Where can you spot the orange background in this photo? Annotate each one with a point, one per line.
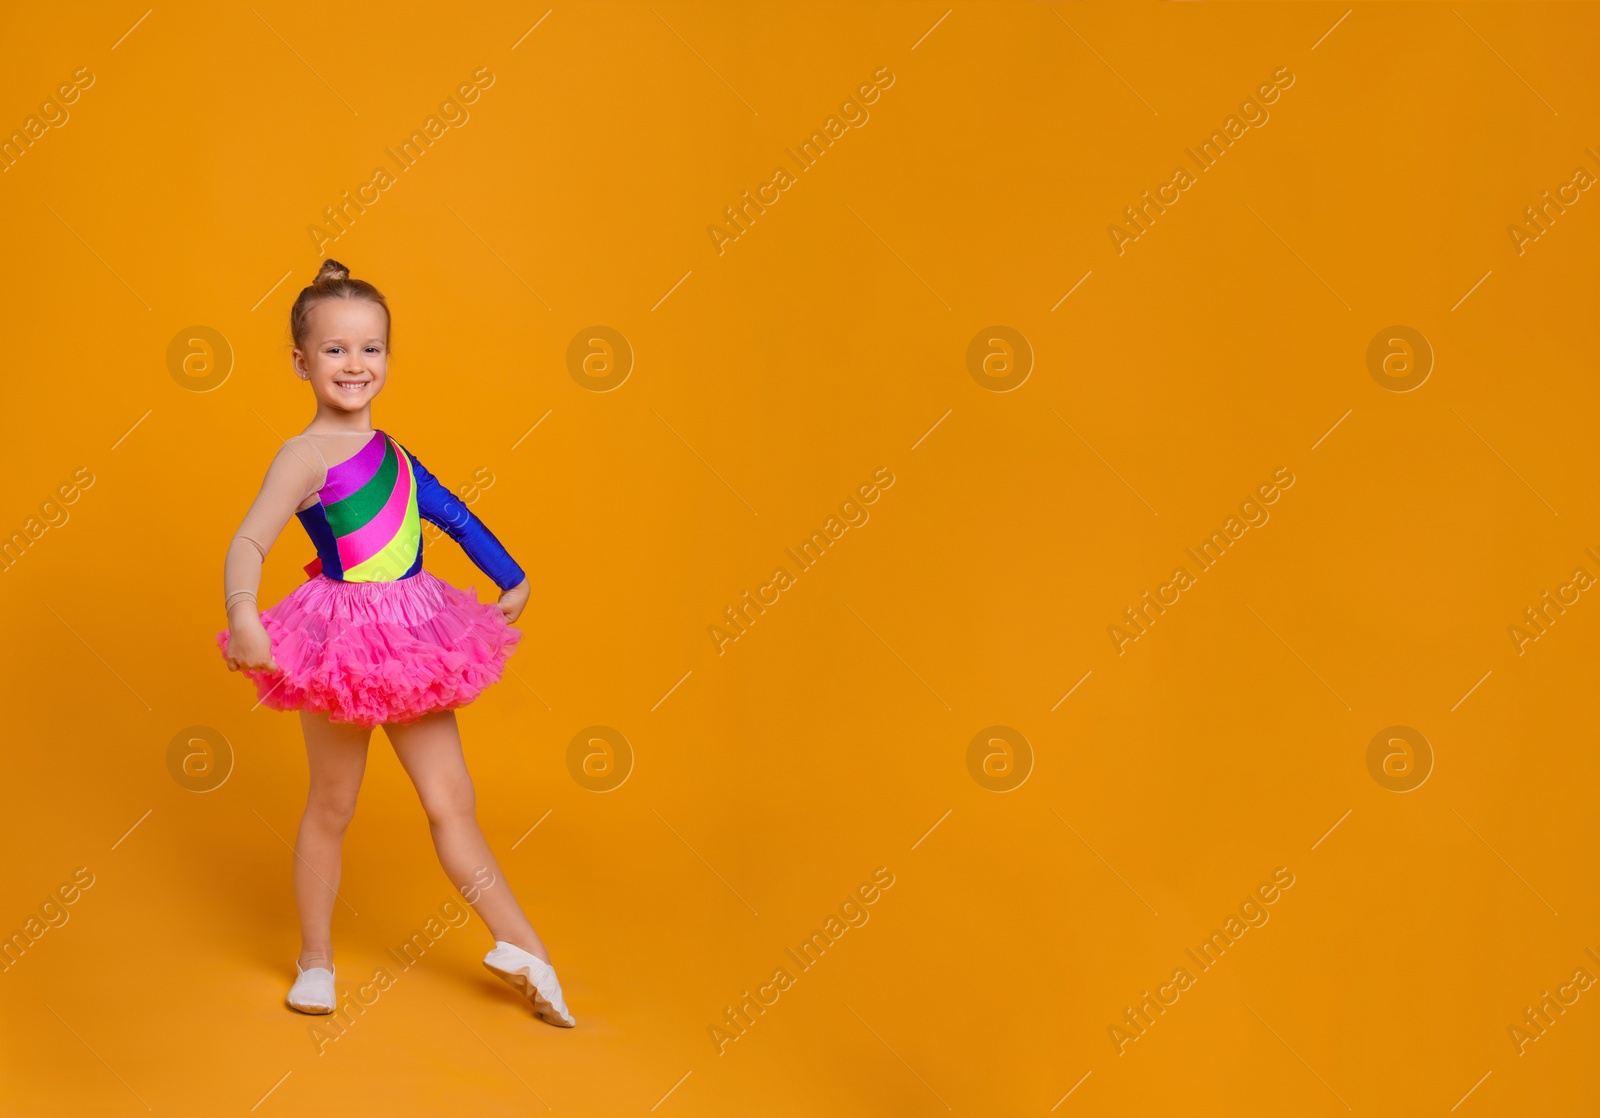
(831, 739)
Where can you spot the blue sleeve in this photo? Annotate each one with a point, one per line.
(437, 504)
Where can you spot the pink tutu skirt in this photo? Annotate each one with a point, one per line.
(375, 652)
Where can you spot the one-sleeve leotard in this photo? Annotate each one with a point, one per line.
(361, 514)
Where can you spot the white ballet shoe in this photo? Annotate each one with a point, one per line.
(312, 992)
(531, 977)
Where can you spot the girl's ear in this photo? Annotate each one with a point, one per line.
(298, 360)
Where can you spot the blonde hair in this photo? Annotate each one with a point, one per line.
(333, 282)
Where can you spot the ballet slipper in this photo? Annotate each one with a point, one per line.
(312, 991)
(531, 977)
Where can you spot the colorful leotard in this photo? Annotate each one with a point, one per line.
(371, 637)
(366, 525)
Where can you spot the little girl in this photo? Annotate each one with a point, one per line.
(371, 638)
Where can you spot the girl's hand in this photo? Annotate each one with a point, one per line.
(511, 603)
(249, 646)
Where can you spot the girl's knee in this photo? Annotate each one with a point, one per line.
(331, 813)
(453, 804)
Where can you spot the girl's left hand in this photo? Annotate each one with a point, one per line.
(511, 602)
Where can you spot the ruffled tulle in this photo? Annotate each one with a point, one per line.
(376, 652)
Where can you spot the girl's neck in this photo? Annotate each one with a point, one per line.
(329, 422)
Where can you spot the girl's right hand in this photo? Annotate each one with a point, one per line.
(249, 646)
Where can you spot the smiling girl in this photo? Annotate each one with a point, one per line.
(371, 638)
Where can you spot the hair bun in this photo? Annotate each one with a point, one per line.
(331, 272)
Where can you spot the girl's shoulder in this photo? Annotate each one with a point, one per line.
(300, 457)
(333, 446)
(342, 436)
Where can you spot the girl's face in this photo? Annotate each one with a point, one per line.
(346, 357)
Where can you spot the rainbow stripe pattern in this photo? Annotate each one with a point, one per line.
(366, 525)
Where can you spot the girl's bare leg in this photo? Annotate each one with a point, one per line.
(337, 757)
(430, 751)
